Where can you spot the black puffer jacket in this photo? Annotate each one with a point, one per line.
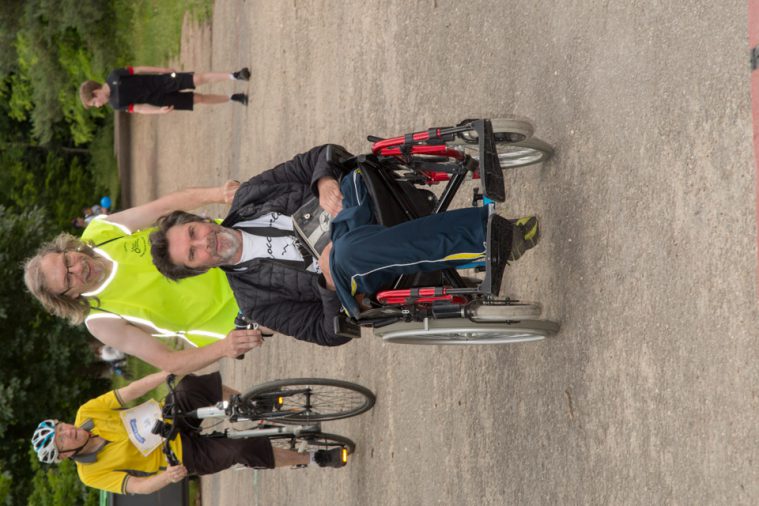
(277, 295)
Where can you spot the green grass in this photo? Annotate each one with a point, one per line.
(155, 30)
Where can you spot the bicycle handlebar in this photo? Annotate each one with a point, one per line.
(161, 425)
(243, 322)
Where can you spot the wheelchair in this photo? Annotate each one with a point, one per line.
(443, 307)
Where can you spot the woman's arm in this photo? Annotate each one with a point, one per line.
(143, 216)
(133, 340)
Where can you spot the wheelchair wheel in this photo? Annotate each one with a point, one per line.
(313, 442)
(503, 312)
(462, 331)
(306, 400)
(514, 142)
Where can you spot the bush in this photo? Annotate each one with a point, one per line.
(59, 486)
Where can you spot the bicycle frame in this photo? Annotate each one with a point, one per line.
(220, 411)
(278, 430)
(229, 411)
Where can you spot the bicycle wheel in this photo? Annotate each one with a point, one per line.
(305, 400)
(312, 442)
(513, 140)
(462, 331)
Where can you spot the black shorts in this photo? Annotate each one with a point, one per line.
(173, 94)
(203, 455)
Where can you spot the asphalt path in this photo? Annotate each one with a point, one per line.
(648, 394)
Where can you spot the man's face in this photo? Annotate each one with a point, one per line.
(72, 273)
(68, 439)
(99, 98)
(202, 245)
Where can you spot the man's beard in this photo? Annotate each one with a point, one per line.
(229, 246)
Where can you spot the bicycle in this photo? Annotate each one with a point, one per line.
(445, 308)
(288, 412)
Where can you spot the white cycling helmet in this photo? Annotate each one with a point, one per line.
(43, 441)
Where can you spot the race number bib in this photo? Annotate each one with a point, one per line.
(138, 422)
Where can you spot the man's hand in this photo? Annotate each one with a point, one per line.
(175, 474)
(330, 198)
(229, 189)
(239, 342)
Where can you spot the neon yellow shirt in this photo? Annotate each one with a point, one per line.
(200, 309)
(119, 458)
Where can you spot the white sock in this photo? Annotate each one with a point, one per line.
(232, 76)
(311, 454)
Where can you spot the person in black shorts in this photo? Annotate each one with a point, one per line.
(157, 90)
(112, 451)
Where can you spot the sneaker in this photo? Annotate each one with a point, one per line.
(239, 97)
(526, 236)
(500, 234)
(242, 75)
(336, 457)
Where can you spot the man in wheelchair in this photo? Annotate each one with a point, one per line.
(279, 284)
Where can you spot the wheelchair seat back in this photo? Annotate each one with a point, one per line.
(394, 201)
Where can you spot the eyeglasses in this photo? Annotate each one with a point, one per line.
(67, 265)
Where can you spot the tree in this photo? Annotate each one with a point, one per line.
(59, 486)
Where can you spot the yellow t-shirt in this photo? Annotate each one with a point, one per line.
(119, 458)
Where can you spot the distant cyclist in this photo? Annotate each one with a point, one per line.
(112, 453)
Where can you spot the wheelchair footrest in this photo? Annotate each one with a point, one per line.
(491, 175)
(500, 237)
(345, 328)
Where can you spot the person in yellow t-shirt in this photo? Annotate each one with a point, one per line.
(112, 454)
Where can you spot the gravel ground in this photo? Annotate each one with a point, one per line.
(648, 395)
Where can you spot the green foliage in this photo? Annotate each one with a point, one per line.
(58, 180)
(6, 480)
(10, 23)
(20, 100)
(56, 158)
(59, 486)
(75, 62)
(58, 45)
